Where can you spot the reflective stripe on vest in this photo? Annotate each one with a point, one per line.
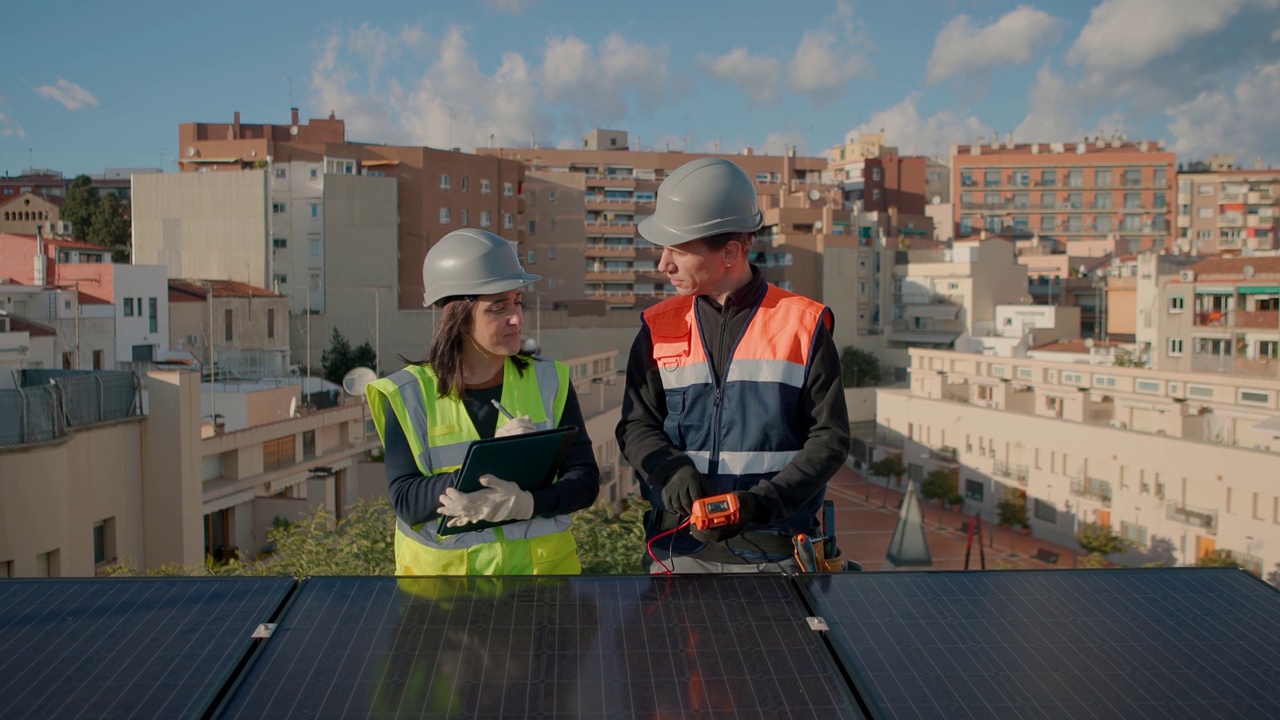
(743, 463)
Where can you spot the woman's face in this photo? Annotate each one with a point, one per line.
(497, 322)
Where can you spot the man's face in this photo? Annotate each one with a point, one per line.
(693, 268)
(496, 322)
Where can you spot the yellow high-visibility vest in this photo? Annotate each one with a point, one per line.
(439, 431)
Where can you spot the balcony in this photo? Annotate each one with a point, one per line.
(1213, 318)
(1195, 517)
(890, 441)
(597, 222)
(1016, 473)
(1258, 319)
(1092, 489)
(946, 455)
(610, 275)
(610, 251)
(1231, 220)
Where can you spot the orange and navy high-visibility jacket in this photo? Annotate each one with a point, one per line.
(739, 423)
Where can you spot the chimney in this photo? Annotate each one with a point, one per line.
(293, 116)
(235, 126)
(786, 169)
(37, 275)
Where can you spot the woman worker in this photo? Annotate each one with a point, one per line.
(430, 412)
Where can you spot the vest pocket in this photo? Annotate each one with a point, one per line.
(673, 423)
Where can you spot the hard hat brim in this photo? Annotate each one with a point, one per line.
(655, 232)
(440, 291)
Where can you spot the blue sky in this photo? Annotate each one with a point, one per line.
(99, 85)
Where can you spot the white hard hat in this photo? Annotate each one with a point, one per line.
(471, 262)
(703, 198)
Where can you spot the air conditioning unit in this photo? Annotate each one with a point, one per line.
(64, 228)
(193, 340)
(1187, 276)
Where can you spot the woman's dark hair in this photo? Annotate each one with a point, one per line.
(445, 353)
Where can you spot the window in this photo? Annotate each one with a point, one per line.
(551, 253)
(1021, 178)
(985, 392)
(875, 194)
(279, 208)
(1176, 304)
(484, 187)
(973, 489)
(1132, 201)
(279, 243)
(1132, 177)
(1046, 511)
(1071, 378)
(278, 453)
(271, 323)
(876, 174)
(508, 190)
(1160, 177)
(1102, 224)
(1148, 386)
(1268, 349)
(1175, 346)
(281, 173)
(484, 219)
(444, 182)
(966, 179)
(1204, 189)
(1256, 397)
(1159, 201)
(1048, 178)
(315, 173)
(1047, 223)
(991, 178)
(466, 217)
(508, 221)
(444, 216)
(315, 247)
(315, 282)
(315, 210)
(128, 307)
(152, 315)
(1026, 373)
(1104, 381)
(1075, 178)
(533, 227)
(97, 359)
(227, 326)
(551, 196)
(1102, 177)
(1204, 212)
(104, 541)
(309, 445)
(1135, 534)
(762, 177)
(1102, 201)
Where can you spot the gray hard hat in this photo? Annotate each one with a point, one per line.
(471, 262)
(703, 198)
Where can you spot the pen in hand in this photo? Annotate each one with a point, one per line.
(506, 413)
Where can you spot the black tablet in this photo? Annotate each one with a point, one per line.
(531, 460)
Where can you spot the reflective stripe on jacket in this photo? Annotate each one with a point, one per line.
(439, 431)
(746, 428)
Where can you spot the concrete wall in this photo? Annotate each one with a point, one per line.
(203, 225)
(171, 471)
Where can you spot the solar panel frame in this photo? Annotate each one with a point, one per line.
(105, 647)
(1031, 637)
(609, 647)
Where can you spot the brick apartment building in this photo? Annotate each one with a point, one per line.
(1082, 193)
(892, 189)
(1227, 210)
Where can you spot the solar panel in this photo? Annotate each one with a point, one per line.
(581, 647)
(1106, 643)
(119, 648)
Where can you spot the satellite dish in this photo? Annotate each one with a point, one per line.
(191, 151)
(293, 407)
(937, 200)
(293, 130)
(817, 224)
(814, 194)
(357, 380)
(1248, 271)
(1088, 342)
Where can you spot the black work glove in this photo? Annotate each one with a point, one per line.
(749, 511)
(682, 488)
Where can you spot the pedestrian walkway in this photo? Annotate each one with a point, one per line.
(866, 515)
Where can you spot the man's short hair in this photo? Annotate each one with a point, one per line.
(716, 242)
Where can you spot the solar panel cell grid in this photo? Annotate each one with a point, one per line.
(125, 648)
(1109, 643)
(544, 647)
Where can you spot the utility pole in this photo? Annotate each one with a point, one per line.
(213, 391)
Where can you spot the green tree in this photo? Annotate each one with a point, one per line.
(1098, 538)
(363, 356)
(109, 227)
(1126, 358)
(610, 540)
(859, 368)
(939, 485)
(889, 466)
(336, 361)
(1013, 508)
(1218, 558)
(78, 209)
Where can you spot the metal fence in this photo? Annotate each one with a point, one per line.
(47, 402)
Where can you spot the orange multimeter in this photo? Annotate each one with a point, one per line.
(715, 511)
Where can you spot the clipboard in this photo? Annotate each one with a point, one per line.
(531, 460)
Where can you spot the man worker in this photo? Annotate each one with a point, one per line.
(733, 386)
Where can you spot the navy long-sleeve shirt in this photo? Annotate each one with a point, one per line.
(416, 498)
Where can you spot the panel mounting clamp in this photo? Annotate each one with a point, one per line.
(264, 631)
(817, 624)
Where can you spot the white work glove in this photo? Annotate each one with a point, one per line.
(499, 502)
(515, 426)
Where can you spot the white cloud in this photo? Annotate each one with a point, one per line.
(515, 7)
(602, 84)
(823, 64)
(1241, 121)
(777, 143)
(1055, 111)
(915, 135)
(756, 75)
(9, 128)
(70, 95)
(1128, 34)
(966, 48)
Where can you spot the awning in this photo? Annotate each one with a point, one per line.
(1260, 290)
(228, 501)
(1270, 425)
(378, 163)
(211, 160)
(1201, 290)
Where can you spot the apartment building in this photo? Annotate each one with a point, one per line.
(1179, 464)
(893, 189)
(1227, 210)
(941, 296)
(233, 329)
(150, 490)
(432, 192)
(555, 225)
(24, 344)
(76, 330)
(1082, 193)
(620, 187)
(44, 183)
(1220, 315)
